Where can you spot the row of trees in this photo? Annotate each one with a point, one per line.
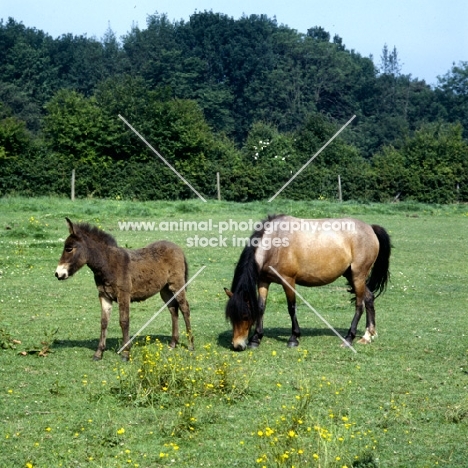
(246, 98)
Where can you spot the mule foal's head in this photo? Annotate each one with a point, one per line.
(73, 255)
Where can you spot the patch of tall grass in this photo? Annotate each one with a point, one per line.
(301, 434)
(160, 375)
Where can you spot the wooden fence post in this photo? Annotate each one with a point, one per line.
(73, 185)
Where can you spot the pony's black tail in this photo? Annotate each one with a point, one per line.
(377, 282)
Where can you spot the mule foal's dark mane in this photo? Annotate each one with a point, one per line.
(244, 302)
(95, 233)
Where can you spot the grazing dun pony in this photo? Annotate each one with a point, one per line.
(308, 252)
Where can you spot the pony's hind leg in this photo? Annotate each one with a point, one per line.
(292, 309)
(106, 308)
(353, 328)
(371, 332)
(358, 286)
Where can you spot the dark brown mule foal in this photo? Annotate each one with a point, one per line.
(127, 275)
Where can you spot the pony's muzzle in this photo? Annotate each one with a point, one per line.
(61, 273)
(241, 335)
(239, 346)
(239, 343)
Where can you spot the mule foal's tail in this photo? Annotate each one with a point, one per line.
(186, 272)
(377, 282)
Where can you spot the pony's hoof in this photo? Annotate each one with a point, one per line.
(293, 344)
(97, 358)
(253, 345)
(364, 341)
(348, 344)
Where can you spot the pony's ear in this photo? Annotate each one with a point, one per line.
(70, 226)
(229, 293)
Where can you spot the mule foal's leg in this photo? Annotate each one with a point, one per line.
(168, 297)
(124, 319)
(180, 302)
(106, 308)
(185, 309)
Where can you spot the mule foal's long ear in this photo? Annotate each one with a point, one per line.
(70, 226)
(229, 293)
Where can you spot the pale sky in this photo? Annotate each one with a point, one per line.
(430, 35)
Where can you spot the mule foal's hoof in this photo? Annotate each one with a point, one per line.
(293, 343)
(190, 344)
(253, 345)
(97, 358)
(125, 356)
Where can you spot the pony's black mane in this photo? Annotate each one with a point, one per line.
(95, 233)
(244, 302)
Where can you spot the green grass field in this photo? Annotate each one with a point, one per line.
(401, 401)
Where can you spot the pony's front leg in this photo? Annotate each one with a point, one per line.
(106, 308)
(124, 319)
(291, 298)
(256, 338)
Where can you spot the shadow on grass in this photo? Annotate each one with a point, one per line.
(224, 339)
(281, 335)
(112, 344)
